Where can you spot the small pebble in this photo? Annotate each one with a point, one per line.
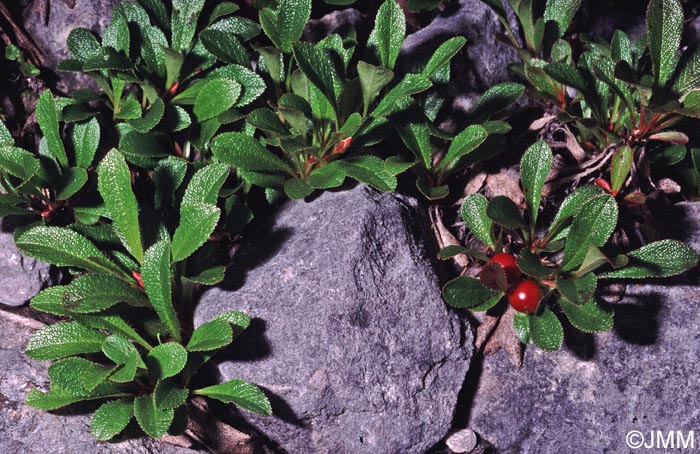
(463, 441)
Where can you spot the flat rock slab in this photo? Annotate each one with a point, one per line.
(350, 336)
(641, 376)
(26, 430)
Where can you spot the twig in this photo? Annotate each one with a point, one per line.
(23, 40)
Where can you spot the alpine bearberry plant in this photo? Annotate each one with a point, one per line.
(328, 105)
(136, 190)
(622, 98)
(127, 338)
(562, 263)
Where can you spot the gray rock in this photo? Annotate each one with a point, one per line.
(350, 334)
(22, 277)
(641, 376)
(64, 16)
(485, 61)
(29, 431)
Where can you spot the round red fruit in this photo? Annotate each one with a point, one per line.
(507, 262)
(525, 296)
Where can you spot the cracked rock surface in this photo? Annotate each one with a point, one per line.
(350, 335)
(640, 376)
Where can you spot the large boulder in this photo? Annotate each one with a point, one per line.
(350, 337)
(26, 430)
(22, 277)
(597, 389)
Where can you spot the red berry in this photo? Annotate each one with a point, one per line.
(507, 262)
(525, 296)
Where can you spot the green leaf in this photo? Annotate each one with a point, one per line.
(244, 394)
(389, 33)
(197, 223)
(168, 395)
(85, 138)
(114, 184)
(449, 252)
(151, 119)
(72, 181)
(659, 259)
(464, 143)
(123, 353)
(6, 138)
(416, 137)
(664, 30)
(167, 178)
(47, 117)
(292, 16)
(621, 47)
(107, 59)
(215, 97)
(82, 44)
(530, 264)
(593, 224)
(546, 330)
(297, 188)
(688, 72)
(64, 339)
(253, 85)
(593, 260)
(205, 185)
(503, 211)
(225, 46)
(521, 326)
(173, 65)
(410, 85)
(210, 276)
(209, 336)
(577, 290)
(268, 121)
(64, 247)
(443, 55)
(372, 80)
(318, 65)
(111, 418)
(155, 272)
(495, 99)
(572, 204)
(620, 167)
(475, 217)
(90, 293)
(589, 317)
(18, 162)
(184, 23)
(534, 168)
(166, 360)
(111, 323)
(152, 420)
(467, 292)
(245, 153)
(562, 13)
(67, 385)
